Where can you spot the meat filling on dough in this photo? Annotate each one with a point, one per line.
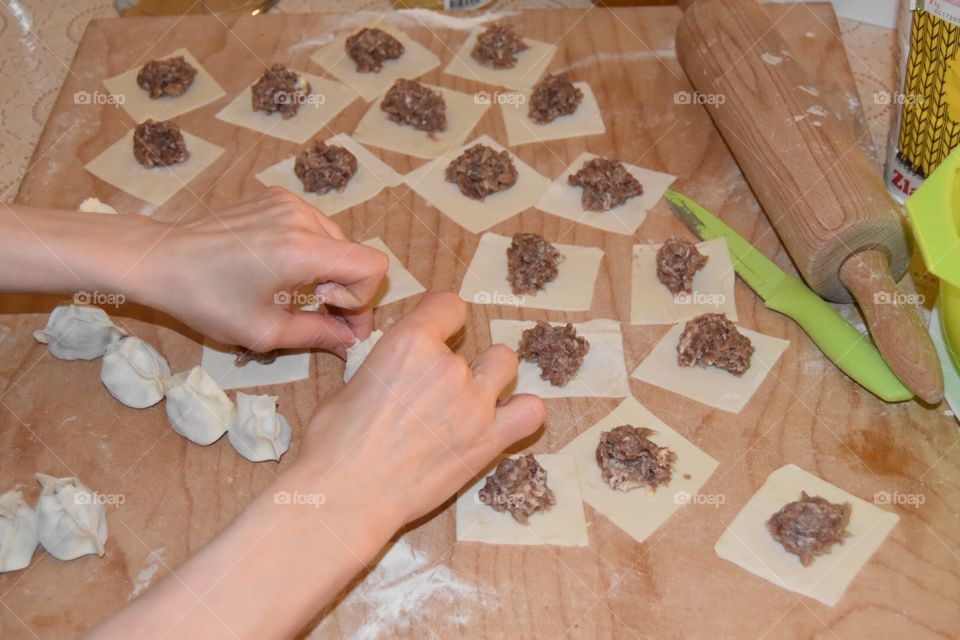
(518, 485)
(167, 77)
(678, 260)
(480, 171)
(629, 459)
(323, 168)
(552, 97)
(159, 144)
(711, 339)
(368, 48)
(410, 103)
(810, 526)
(606, 184)
(280, 90)
(558, 351)
(497, 47)
(246, 356)
(531, 263)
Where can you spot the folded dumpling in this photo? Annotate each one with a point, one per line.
(71, 521)
(259, 433)
(198, 409)
(78, 332)
(358, 352)
(133, 372)
(18, 531)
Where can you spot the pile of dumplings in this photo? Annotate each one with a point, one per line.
(138, 376)
(69, 521)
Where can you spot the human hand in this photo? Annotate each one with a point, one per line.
(233, 274)
(417, 421)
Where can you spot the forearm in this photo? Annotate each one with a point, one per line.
(270, 571)
(63, 252)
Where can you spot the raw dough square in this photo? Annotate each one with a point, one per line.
(326, 100)
(476, 215)
(747, 543)
(486, 279)
(217, 360)
(652, 303)
(415, 61)
(639, 512)
(372, 175)
(137, 102)
(563, 524)
(463, 113)
(399, 283)
(563, 200)
(585, 121)
(709, 385)
(602, 374)
(118, 167)
(531, 64)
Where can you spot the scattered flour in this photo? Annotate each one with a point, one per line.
(146, 575)
(771, 59)
(813, 91)
(817, 110)
(407, 589)
(816, 123)
(605, 57)
(68, 420)
(422, 17)
(799, 117)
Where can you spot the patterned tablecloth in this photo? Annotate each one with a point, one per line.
(38, 40)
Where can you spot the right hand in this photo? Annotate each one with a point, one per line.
(417, 421)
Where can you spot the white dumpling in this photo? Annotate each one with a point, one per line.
(198, 409)
(18, 531)
(71, 521)
(133, 372)
(358, 352)
(78, 332)
(93, 205)
(259, 433)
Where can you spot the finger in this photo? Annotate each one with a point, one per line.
(311, 329)
(360, 322)
(517, 418)
(354, 272)
(440, 314)
(495, 368)
(331, 227)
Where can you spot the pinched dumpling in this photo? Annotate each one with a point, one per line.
(133, 372)
(358, 352)
(18, 531)
(78, 332)
(197, 408)
(71, 521)
(259, 433)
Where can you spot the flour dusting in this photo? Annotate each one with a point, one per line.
(421, 17)
(146, 575)
(771, 59)
(817, 110)
(813, 91)
(604, 57)
(408, 590)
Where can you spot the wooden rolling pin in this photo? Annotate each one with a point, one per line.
(828, 204)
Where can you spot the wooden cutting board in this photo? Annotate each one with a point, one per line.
(55, 417)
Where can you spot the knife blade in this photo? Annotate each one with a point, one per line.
(852, 352)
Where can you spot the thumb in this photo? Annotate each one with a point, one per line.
(312, 329)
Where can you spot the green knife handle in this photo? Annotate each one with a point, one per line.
(852, 352)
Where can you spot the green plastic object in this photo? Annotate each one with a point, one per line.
(852, 352)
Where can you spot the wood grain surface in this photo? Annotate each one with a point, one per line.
(55, 416)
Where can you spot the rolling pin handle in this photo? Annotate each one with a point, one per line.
(895, 324)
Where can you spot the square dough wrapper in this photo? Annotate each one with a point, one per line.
(585, 121)
(563, 524)
(713, 291)
(415, 61)
(372, 176)
(217, 360)
(748, 544)
(602, 374)
(486, 279)
(326, 100)
(118, 166)
(137, 102)
(399, 283)
(476, 215)
(531, 64)
(463, 113)
(563, 200)
(637, 512)
(710, 385)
